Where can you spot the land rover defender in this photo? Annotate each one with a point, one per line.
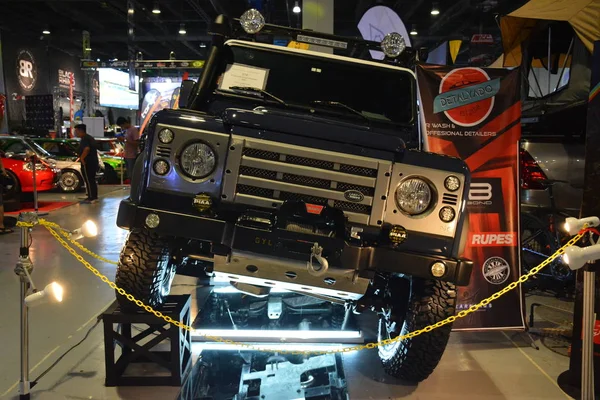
(286, 168)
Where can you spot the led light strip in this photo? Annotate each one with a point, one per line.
(211, 346)
(243, 335)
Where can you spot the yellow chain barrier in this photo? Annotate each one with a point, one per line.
(54, 230)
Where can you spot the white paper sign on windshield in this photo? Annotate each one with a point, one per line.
(244, 76)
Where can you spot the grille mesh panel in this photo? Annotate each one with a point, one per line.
(309, 162)
(255, 191)
(307, 181)
(262, 154)
(257, 172)
(362, 171)
(352, 207)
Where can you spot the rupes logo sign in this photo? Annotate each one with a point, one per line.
(496, 270)
(26, 70)
(466, 96)
(493, 239)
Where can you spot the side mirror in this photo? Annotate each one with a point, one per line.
(185, 93)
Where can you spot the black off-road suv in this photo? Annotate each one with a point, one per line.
(287, 168)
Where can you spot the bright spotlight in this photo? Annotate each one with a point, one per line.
(414, 32)
(296, 9)
(156, 8)
(182, 30)
(435, 10)
(576, 257)
(88, 229)
(46, 31)
(574, 225)
(52, 293)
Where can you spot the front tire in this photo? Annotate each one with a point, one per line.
(415, 359)
(70, 181)
(145, 270)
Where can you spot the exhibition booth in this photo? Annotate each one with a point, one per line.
(310, 215)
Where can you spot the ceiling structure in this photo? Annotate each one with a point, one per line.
(156, 35)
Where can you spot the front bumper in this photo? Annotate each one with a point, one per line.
(225, 236)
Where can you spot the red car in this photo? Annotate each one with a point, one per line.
(21, 174)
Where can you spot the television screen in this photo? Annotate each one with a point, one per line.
(166, 89)
(114, 89)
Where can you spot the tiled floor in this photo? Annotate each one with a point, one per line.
(498, 365)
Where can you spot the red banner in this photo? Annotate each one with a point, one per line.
(474, 114)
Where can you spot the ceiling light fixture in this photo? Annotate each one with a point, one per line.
(182, 30)
(413, 31)
(435, 10)
(203, 45)
(130, 10)
(156, 8)
(46, 32)
(297, 9)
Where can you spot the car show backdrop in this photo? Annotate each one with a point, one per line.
(474, 114)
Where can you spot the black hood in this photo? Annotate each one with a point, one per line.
(317, 127)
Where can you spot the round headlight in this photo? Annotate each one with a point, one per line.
(393, 44)
(447, 214)
(252, 21)
(166, 136)
(452, 183)
(413, 196)
(198, 160)
(161, 167)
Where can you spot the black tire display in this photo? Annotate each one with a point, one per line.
(145, 270)
(415, 359)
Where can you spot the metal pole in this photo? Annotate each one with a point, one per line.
(35, 193)
(549, 56)
(24, 384)
(587, 355)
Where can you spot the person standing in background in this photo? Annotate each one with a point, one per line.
(88, 156)
(131, 137)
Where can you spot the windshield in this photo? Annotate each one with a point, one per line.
(378, 93)
(38, 149)
(58, 149)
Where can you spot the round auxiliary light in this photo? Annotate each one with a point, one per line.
(152, 221)
(252, 21)
(166, 136)
(438, 269)
(452, 183)
(447, 214)
(198, 160)
(393, 44)
(413, 196)
(161, 167)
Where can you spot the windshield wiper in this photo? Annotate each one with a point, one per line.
(337, 104)
(254, 90)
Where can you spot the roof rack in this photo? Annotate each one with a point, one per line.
(352, 47)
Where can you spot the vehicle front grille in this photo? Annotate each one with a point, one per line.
(163, 151)
(277, 173)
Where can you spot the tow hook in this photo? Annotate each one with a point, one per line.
(323, 264)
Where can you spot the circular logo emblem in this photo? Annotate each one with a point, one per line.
(26, 70)
(354, 196)
(467, 96)
(496, 270)
(202, 202)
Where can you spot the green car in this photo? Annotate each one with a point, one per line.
(113, 166)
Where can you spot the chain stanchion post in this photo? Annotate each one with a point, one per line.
(589, 319)
(35, 192)
(24, 269)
